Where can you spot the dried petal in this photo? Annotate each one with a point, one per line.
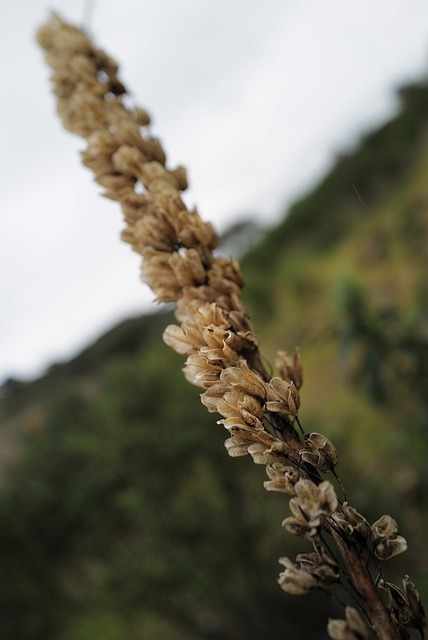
(237, 446)
(176, 338)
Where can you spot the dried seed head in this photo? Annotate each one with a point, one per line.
(320, 565)
(316, 501)
(268, 455)
(312, 504)
(281, 478)
(353, 628)
(405, 606)
(236, 446)
(352, 522)
(188, 269)
(193, 232)
(290, 367)
(238, 427)
(224, 346)
(294, 580)
(213, 394)
(158, 274)
(282, 397)
(320, 452)
(201, 372)
(415, 604)
(244, 379)
(235, 404)
(152, 230)
(356, 520)
(175, 337)
(387, 543)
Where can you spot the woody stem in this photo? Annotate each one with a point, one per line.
(379, 617)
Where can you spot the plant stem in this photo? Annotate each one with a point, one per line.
(379, 617)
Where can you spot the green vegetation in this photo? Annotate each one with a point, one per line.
(123, 517)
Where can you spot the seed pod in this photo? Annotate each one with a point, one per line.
(294, 580)
(281, 478)
(320, 452)
(387, 543)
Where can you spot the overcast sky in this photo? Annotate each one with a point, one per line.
(255, 98)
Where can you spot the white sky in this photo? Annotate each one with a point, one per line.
(254, 97)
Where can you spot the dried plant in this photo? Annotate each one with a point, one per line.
(259, 412)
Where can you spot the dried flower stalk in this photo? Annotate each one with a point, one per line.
(259, 412)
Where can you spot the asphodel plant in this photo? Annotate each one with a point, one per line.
(260, 412)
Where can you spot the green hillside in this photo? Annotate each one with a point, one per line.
(121, 516)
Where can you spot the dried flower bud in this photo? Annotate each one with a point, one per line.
(406, 607)
(312, 504)
(294, 580)
(281, 478)
(353, 628)
(201, 372)
(188, 269)
(262, 454)
(415, 604)
(298, 525)
(387, 543)
(316, 501)
(282, 397)
(290, 367)
(352, 522)
(238, 427)
(236, 446)
(320, 565)
(153, 230)
(175, 337)
(225, 345)
(157, 273)
(244, 379)
(193, 232)
(320, 452)
(358, 522)
(398, 603)
(213, 394)
(234, 404)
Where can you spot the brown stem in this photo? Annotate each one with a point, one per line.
(363, 583)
